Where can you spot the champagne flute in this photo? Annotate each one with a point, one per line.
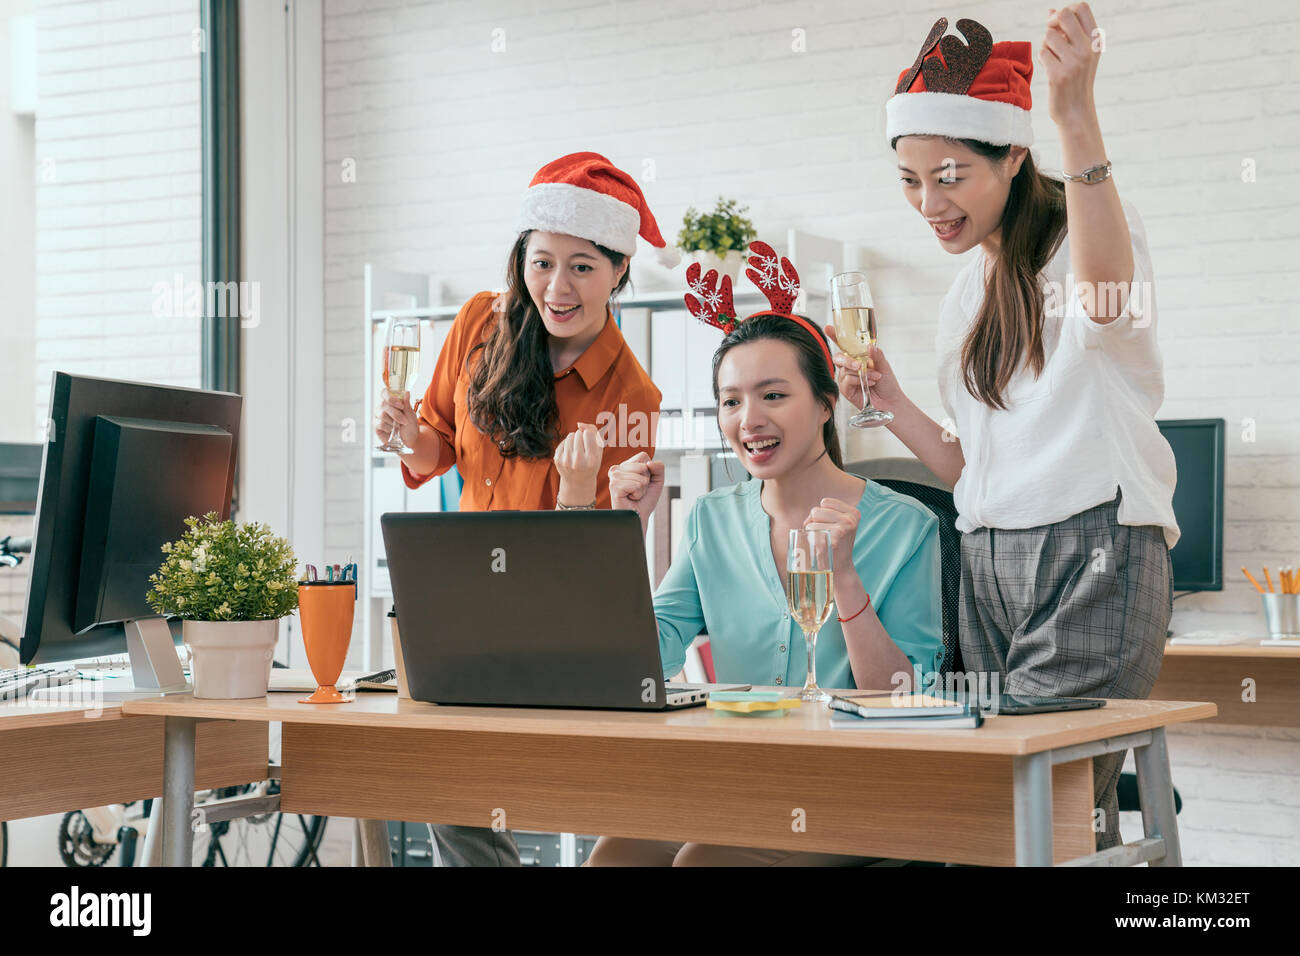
(810, 591)
(855, 329)
(401, 365)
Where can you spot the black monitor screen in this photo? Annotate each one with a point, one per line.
(124, 465)
(1198, 502)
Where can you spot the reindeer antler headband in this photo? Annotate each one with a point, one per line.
(779, 282)
(973, 90)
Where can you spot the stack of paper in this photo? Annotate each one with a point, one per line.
(751, 703)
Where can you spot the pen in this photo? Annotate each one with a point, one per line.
(1252, 579)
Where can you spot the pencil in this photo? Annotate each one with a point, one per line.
(1252, 579)
(1268, 579)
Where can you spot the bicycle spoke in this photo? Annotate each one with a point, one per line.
(270, 859)
(313, 840)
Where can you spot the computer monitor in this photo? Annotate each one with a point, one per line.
(1198, 502)
(125, 463)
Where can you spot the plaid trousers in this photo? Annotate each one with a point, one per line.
(1079, 608)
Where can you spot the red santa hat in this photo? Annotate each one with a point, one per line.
(973, 90)
(585, 195)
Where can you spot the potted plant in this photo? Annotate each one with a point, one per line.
(230, 585)
(718, 240)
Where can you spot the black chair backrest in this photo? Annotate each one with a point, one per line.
(908, 476)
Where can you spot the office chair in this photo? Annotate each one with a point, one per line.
(908, 476)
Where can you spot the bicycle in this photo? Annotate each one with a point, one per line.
(89, 838)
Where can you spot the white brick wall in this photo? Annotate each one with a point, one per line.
(117, 208)
(446, 134)
(118, 190)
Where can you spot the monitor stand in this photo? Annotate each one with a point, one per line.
(155, 668)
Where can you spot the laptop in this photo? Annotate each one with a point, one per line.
(529, 609)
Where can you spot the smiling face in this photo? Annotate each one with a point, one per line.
(569, 281)
(960, 193)
(767, 410)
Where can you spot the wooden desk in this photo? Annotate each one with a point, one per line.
(1018, 790)
(59, 758)
(1215, 673)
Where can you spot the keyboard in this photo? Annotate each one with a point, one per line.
(18, 682)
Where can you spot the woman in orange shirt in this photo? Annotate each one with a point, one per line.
(544, 360)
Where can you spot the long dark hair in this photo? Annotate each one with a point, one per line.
(812, 362)
(512, 388)
(1009, 326)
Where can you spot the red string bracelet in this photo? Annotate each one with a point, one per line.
(845, 620)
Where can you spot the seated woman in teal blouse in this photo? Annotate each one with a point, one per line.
(776, 402)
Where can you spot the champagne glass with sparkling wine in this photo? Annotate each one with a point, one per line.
(810, 590)
(401, 365)
(855, 329)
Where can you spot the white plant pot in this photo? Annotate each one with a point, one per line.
(231, 659)
(728, 265)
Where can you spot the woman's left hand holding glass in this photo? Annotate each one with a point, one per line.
(840, 519)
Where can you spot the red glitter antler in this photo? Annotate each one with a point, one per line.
(717, 308)
(780, 285)
(936, 31)
(964, 60)
(958, 64)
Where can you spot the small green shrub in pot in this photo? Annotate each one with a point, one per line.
(230, 584)
(719, 239)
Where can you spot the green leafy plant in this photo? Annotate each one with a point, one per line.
(220, 572)
(721, 231)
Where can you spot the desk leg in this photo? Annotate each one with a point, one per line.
(178, 791)
(1156, 791)
(1032, 777)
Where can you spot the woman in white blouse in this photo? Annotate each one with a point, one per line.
(1050, 375)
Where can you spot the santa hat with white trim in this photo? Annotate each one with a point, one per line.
(585, 195)
(973, 90)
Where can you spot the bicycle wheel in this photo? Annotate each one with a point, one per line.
(266, 839)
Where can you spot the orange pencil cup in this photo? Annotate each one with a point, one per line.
(325, 610)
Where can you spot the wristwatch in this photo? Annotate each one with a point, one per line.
(564, 507)
(1092, 175)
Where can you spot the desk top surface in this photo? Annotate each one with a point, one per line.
(1233, 650)
(808, 725)
(81, 706)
